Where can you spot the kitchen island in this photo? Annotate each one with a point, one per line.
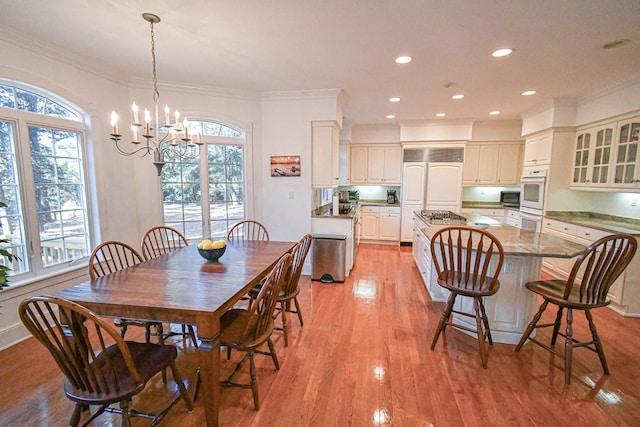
(513, 306)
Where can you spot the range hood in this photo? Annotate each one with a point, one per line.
(441, 155)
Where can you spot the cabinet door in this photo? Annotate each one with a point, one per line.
(375, 165)
(392, 165)
(413, 183)
(407, 223)
(488, 164)
(358, 165)
(369, 228)
(470, 166)
(509, 168)
(444, 185)
(626, 163)
(325, 154)
(389, 226)
(602, 157)
(581, 158)
(537, 150)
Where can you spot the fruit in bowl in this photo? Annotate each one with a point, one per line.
(212, 250)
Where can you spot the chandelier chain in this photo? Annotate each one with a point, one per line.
(156, 94)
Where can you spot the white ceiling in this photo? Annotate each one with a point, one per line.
(288, 45)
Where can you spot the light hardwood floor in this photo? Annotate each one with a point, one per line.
(363, 359)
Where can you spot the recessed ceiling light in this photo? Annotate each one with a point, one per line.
(391, 116)
(494, 113)
(403, 59)
(502, 52)
(615, 44)
(528, 92)
(394, 99)
(458, 96)
(441, 114)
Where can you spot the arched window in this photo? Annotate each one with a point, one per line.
(42, 180)
(219, 175)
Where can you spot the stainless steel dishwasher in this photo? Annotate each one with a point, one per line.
(328, 258)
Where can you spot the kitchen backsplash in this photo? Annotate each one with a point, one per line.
(484, 194)
(371, 192)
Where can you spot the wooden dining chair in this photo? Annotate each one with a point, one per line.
(468, 262)
(248, 230)
(100, 367)
(248, 329)
(161, 240)
(112, 256)
(600, 265)
(291, 288)
(158, 241)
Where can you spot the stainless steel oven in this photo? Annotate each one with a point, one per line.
(532, 189)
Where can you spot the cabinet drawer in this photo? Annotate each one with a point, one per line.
(560, 226)
(590, 234)
(513, 214)
(394, 210)
(370, 209)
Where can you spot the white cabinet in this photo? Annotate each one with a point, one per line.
(593, 157)
(375, 164)
(537, 149)
(444, 186)
(380, 223)
(512, 217)
(414, 175)
(492, 164)
(325, 141)
(627, 159)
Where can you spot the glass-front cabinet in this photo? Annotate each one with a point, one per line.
(626, 173)
(593, 156)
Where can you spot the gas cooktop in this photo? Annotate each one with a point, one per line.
(442, 217)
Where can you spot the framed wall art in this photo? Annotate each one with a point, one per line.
(285, 165)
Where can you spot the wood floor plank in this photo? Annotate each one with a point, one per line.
(362, 358)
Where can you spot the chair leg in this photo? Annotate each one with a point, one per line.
(485, 320)
(192, 334)
(568, 347)
(298, 311)
(272, 352)
(77, 413)
(147, 334)
(532, 325)
(124, 407)
(123, 330)
(556, 326)
(254, 381)
(183, 391)
(479, 323)
(442, 324)
(284, 308)
(597, 342)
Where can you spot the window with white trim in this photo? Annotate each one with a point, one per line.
(42, 180)
(219, 176)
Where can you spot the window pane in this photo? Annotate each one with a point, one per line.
(11, 221)
(59, 192)
(56, 110)
(29, 101)
(6, 97)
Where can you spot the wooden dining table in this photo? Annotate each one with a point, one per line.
(183, 287)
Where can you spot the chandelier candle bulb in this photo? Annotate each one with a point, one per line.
(114, 122)
(147, 121)
(134, 129)
(167, 119)
(135, 109)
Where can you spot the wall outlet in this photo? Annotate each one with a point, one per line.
(634, 203)
(291, 194)
(508, 267)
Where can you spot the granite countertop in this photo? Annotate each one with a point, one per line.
(380, 202)
(520, 242)
(614, 224)
(482, 205)
(326, 211)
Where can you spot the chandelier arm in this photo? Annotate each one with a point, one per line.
(145, 150)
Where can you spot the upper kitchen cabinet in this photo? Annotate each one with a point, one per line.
(444, 186)
(375, 164)
(492, 164)
(325, 141)
(537, 150)
(593, 157)
(626, 166)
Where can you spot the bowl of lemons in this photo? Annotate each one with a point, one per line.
(212, 250)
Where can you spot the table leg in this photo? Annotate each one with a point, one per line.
(209, 357)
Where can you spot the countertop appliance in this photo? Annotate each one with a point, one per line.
(438, 217)
(343, 196)
(510, 199)
(392, 197)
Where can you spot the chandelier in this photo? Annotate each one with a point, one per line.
(167, 141)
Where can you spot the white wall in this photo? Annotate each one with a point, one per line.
(286, 130)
